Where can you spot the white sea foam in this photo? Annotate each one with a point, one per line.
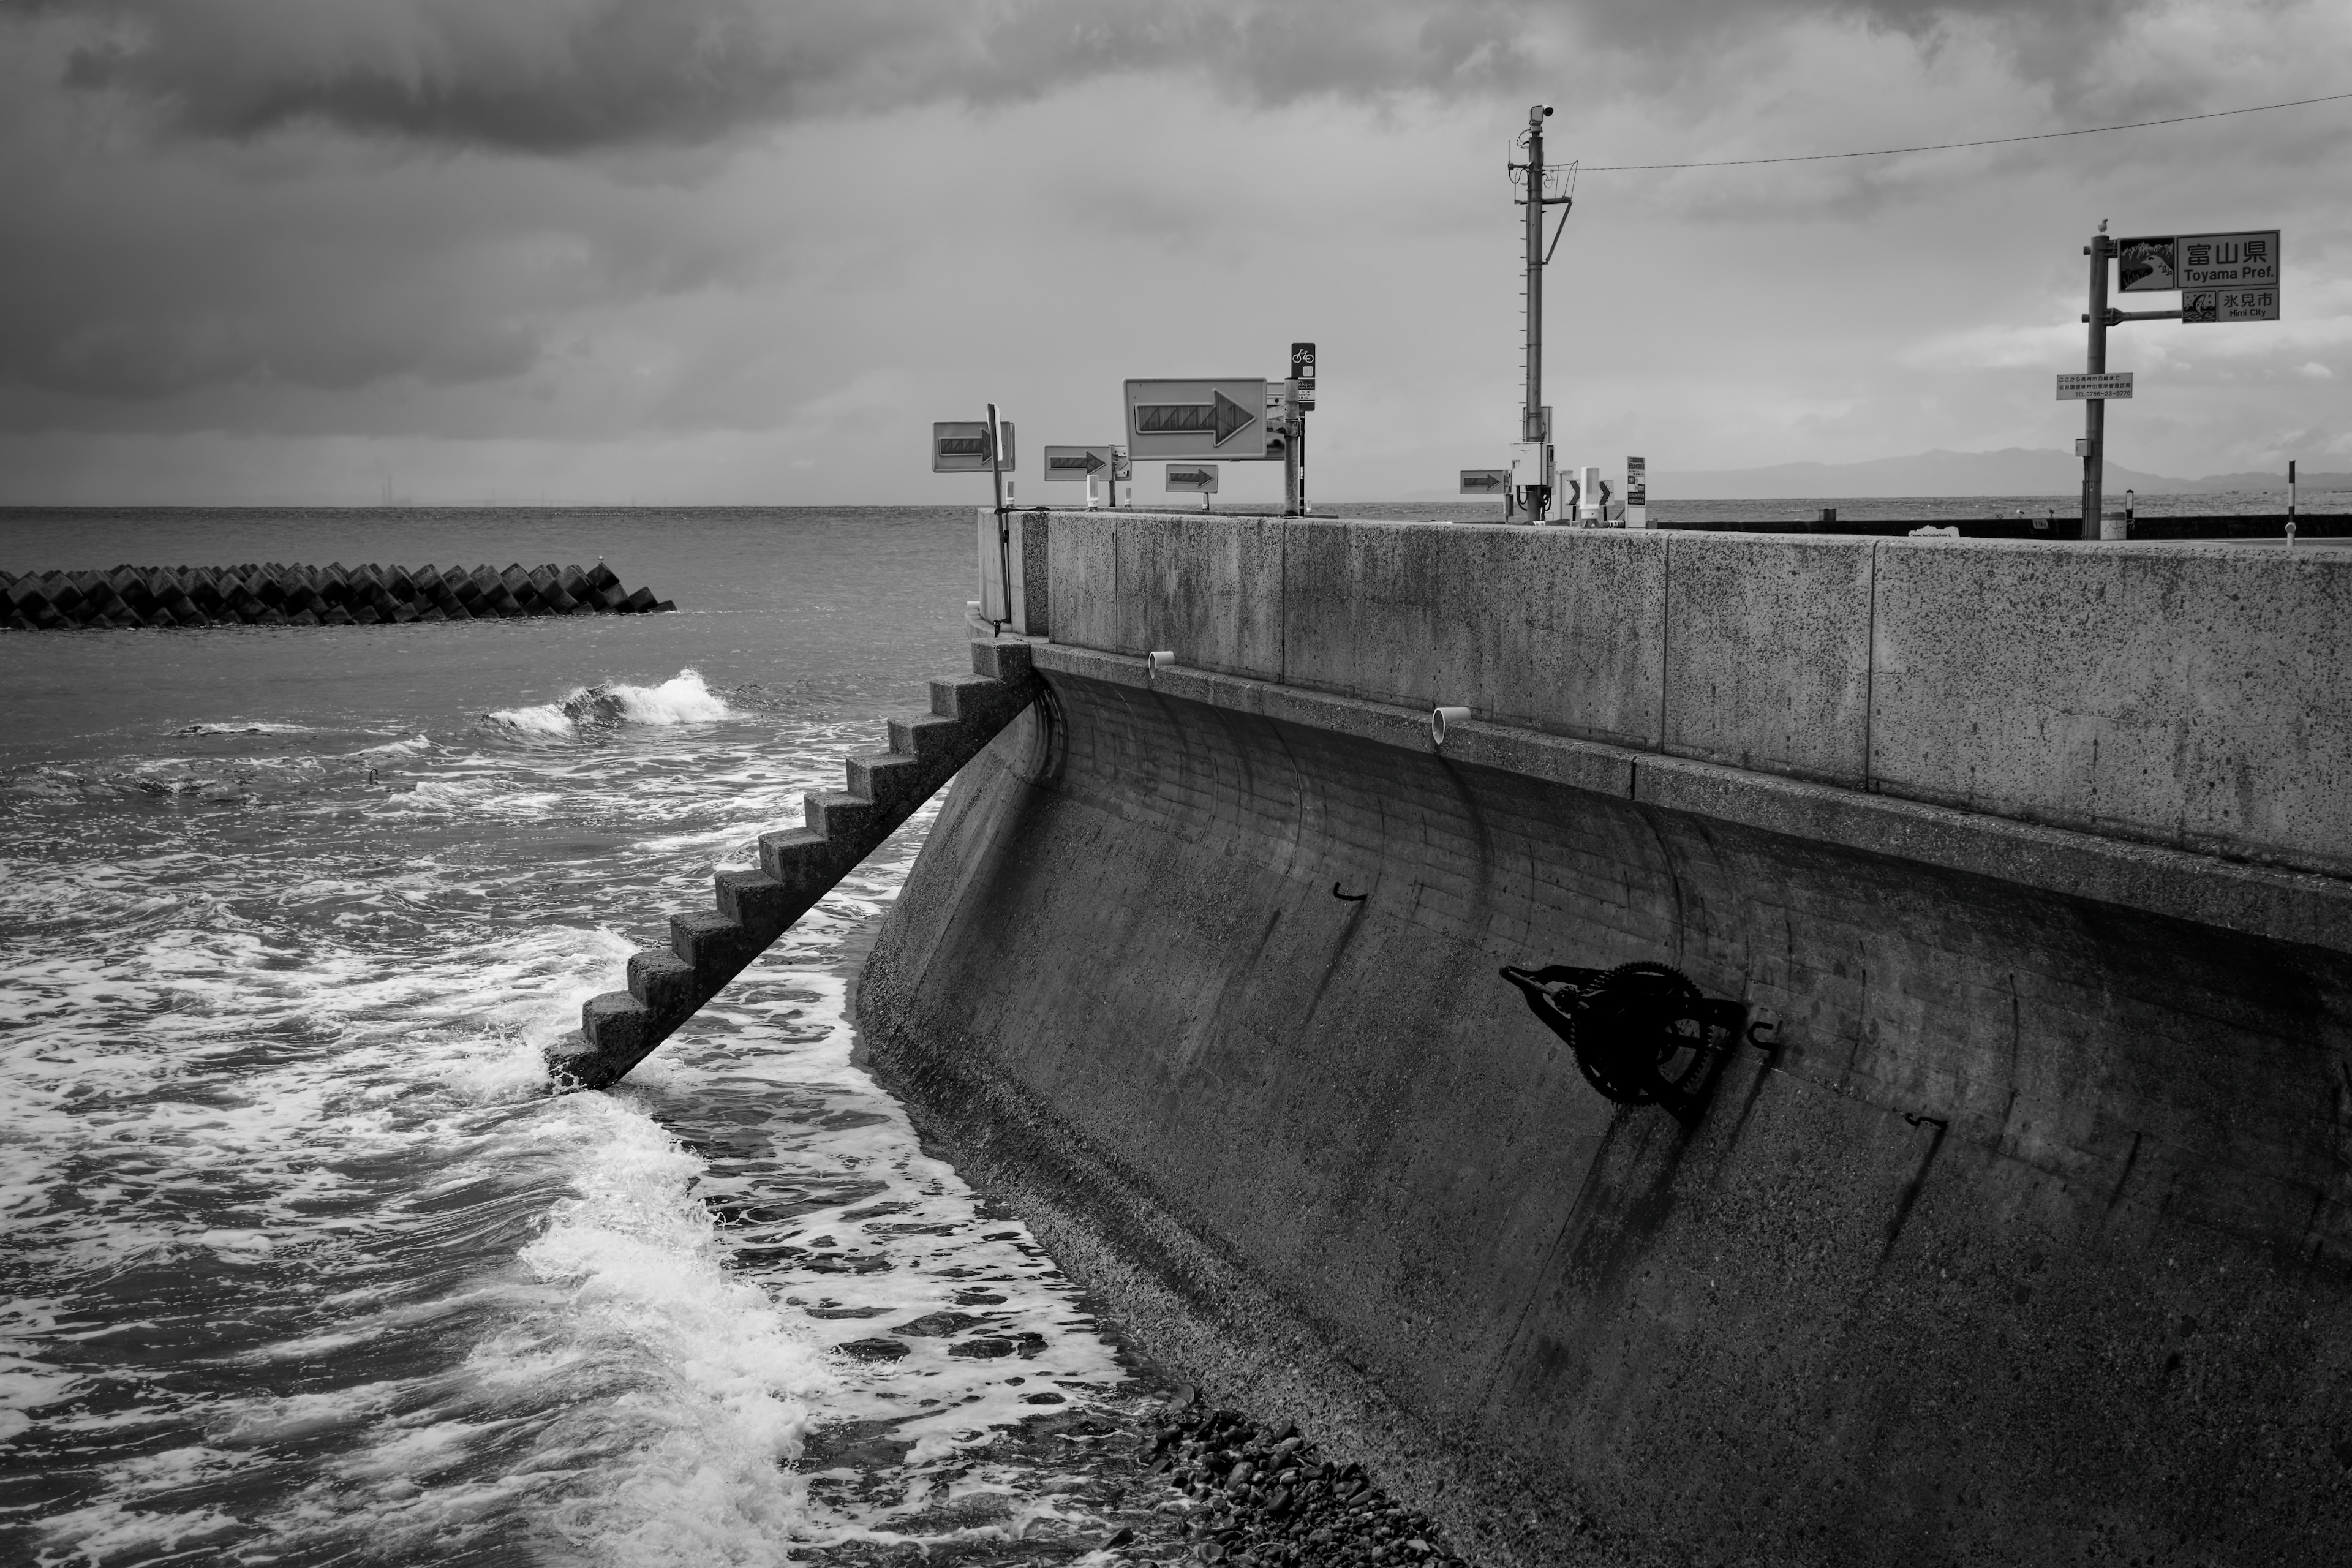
(253, 1053)
(683, 699)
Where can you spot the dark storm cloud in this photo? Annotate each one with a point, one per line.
(554, 76)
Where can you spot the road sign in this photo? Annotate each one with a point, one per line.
(2078, 388)
(2230, 261)
(1199, 479)
(2208, 305)
(2156, 262)
(1122, 466)
(1485, 481)
(1302, 373)
(1072, 464)
(1637, 481)
(1213, 418)
(960, 447)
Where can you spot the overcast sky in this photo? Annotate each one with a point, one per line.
(747, 250)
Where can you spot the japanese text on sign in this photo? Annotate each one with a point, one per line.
(2209, 305)
(2109, 384)
(2152, 263)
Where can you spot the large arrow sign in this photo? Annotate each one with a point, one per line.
(1220, 418)
(1212, 418)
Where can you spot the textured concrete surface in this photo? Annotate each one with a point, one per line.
(2183, 693)
(1082, 577)
(1554, 629)
(2029, 1240)
(1768, 653)
(2169, 694)
(2299, 907)
(1208, 588)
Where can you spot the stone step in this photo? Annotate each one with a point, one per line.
(797, 866)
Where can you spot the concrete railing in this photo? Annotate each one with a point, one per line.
(2185, 695)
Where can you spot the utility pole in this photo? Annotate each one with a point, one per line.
(2094, 409)
(1531, 415)
(1531, 468)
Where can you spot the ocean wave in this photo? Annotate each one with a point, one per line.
(243, 727)
(684, 698)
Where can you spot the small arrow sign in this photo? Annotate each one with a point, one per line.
(1220, 418)
(1074, 464)
(1198, 476)
(1484, 481)
(960, 447)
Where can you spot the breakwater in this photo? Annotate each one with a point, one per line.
(335, 596)
(2021, 1232)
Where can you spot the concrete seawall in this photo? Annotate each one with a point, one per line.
(2028, 1239)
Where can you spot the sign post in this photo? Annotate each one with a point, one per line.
(1194, 478)
(2220, 277)
(970, 446)
(1637, 492)
(1302, 400)
(2094, 363)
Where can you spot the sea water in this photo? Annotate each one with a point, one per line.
(304, 1263)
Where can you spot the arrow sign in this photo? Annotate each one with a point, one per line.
(1201, 478)
(1484, 481)
(1220, 418)
(1074, 464)
(1224, 417)
(960, 447)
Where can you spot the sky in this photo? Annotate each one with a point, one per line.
(746, 251)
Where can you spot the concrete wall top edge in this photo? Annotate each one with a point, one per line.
(2173, 693)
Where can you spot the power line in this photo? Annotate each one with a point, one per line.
(1949, 146)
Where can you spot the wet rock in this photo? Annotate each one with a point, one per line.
(874, 1350)
(986, 1347)
(939, 1325)
(1263, 1497)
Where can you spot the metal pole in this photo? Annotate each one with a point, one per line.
(2290, 503)
(1004, 533)
(1530, 418)
(2094, 409)
(1290, 459)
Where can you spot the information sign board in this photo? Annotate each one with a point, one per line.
(1072, 464)
(961, 446)
(1199, 479)
(1637, 481)
(2209, 305)
(2152, 263)
(1485, 481)
(2083, 387)
(1217, 417)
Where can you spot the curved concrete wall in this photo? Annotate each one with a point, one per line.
(2185, 695)
(2031, 1242)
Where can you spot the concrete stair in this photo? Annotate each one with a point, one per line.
(797, 866)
